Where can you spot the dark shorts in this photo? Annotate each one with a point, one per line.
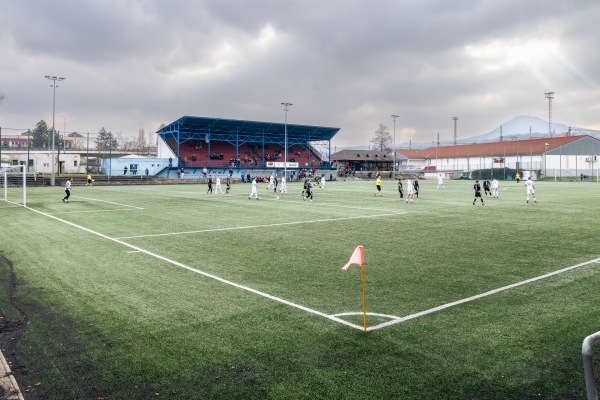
(477, 194)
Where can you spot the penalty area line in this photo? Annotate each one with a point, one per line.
(94, 211)
(234, 228)
(197, 271)
(109, 202)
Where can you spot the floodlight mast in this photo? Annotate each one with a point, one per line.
(550, 96)
(53, 85)
(286, 107)
(455, 119)
(394, 116)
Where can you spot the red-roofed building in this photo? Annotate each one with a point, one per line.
(556, 156)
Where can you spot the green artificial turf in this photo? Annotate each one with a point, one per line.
(120, 299)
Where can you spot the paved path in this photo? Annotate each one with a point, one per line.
(9, 388)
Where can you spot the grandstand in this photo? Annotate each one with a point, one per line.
(200, 142)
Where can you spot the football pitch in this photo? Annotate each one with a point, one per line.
(165, 291)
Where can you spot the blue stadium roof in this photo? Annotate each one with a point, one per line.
(238, 132)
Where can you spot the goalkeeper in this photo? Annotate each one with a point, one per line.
(67, 191)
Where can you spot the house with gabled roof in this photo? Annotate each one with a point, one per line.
(347, 161)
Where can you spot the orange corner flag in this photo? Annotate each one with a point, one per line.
(358, 257)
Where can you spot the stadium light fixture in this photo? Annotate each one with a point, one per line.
(394, 116)
(286, 107)
(53, 79)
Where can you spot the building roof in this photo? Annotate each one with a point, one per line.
(242, 131)
(505, 148)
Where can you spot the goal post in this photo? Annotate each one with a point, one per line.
(14, 184)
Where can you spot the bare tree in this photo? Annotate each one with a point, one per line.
(382, 139)
(141, 142)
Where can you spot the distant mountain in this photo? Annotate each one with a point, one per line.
(519, 126)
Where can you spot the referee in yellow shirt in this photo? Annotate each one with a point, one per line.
(378, 184)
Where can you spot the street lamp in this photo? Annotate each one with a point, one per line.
(286, 108)
(53, 79)
(394, 148)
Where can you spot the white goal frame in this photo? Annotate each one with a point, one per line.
(20, 179)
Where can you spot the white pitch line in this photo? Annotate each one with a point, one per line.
(16, 205)
(333, 317)
(479, 296)
(94, 211)
(233, 228)
(109, 202)
(217, 278)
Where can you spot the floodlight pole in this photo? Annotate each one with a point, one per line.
(87, 154)
(286, 108)
(53, 79)
(109, 154)
(394, 116)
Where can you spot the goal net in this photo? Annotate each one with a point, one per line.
(13, 181)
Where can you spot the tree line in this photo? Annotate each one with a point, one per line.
(41, 137)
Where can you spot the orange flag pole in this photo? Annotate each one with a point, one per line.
(358, 257)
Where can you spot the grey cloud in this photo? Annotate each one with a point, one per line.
(342, 63)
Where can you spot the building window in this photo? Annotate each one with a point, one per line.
(75, 163)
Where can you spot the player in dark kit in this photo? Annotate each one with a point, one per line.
(308, 189)
(305, 185)
(477, 188)
(416, 186)
(400, 190)
(228, 183)
(209, 184)
(486, 187)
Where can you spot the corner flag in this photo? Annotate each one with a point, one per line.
(358, 257)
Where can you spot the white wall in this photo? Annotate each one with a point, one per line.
(71, 162)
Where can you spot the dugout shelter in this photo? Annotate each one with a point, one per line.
(217, 142)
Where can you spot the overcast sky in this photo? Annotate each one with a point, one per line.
(342, 63)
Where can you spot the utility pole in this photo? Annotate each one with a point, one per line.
(53, 79)
(394, 116)
(286, 107)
